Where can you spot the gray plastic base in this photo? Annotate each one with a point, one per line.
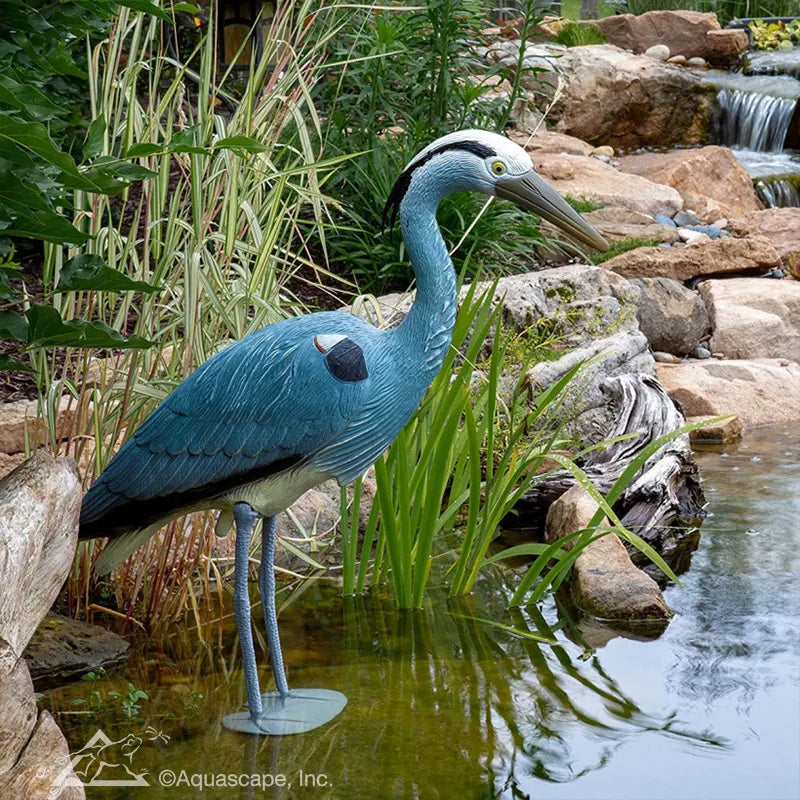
(302, 711)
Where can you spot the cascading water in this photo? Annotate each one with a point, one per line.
(756, 109)
(753, 121)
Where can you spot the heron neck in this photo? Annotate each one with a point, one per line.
(428, 328)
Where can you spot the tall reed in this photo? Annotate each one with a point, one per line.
(218, 224)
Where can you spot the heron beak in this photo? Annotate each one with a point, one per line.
(532, 193)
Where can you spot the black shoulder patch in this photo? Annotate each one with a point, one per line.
(346, 362)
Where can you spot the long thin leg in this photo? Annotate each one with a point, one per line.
(245, 518)
(266, 585)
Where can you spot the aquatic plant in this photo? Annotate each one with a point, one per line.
(774, 35)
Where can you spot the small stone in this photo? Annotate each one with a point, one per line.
(604, 150)
(665, 358)
(718, 356)
(658, 51)
(679, 59)
(685, 218)
(727, 430)
(701, 352)
(665, 220)
(774, 273)
(692, 237)
(696, 61)
(784, 363)
(722, 223)
(708, 230)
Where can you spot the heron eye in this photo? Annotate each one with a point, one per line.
(499, 168)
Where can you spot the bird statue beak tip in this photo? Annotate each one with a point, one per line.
(532, 193)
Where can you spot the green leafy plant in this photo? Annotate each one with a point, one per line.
(574, 34)
(775, 35)
(130, 701)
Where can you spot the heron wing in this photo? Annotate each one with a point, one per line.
(259, 406)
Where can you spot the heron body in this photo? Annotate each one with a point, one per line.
(313, 397)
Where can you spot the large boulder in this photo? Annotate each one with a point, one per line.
(605, 95)
(685, 33)
(605, 583)
(780, 225)
(673, 318)
(545, 141)
(753, 317)
(759, 391)
(710, 179)
(39, 509)
(753, 255)
(587, 178)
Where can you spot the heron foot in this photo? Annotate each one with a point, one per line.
(299, 711)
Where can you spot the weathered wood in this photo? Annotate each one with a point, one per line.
(664, 503)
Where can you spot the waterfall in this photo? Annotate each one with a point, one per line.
(779, 190)
(753, 121)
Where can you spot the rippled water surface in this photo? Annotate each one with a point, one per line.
(444, 706)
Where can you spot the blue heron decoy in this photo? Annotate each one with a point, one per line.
(304, 400)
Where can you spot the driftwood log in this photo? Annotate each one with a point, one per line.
(664, 502)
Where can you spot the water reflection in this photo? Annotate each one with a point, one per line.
(444, 703)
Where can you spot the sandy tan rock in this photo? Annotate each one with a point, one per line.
(754, 254)
(759, 391)
(592, 179)
(780, 225)
(685, 33)
(609, 96)
(754, 317)
(728, 430)
(544, 141)
(710, 179)
(620, 223)
(605, 583)
(18, 424)
(9, 462)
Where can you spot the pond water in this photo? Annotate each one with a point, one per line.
(444, 703)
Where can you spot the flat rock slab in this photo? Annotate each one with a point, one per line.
(620, 223)
(19, 424)
(711, 180)
(63, 649)
(755, 254)
(754, 317)
(759, 391)
(588, 178)
(544, 141)
(780, 225)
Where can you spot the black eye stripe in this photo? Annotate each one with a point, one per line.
(404, 181)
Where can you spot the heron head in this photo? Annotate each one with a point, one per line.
(482, 161)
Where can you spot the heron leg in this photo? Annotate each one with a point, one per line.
(266, 585)
(245, 518)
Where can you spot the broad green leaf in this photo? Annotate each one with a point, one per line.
(146, 7)
(33, 136)
(246, 143)
(13, 326)
(45, 225)
(95, 138)
(47, 329)
(144, 149)
(14, 192)
(124, 169)
(91, 273)
(33, 102)
(12, 365)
